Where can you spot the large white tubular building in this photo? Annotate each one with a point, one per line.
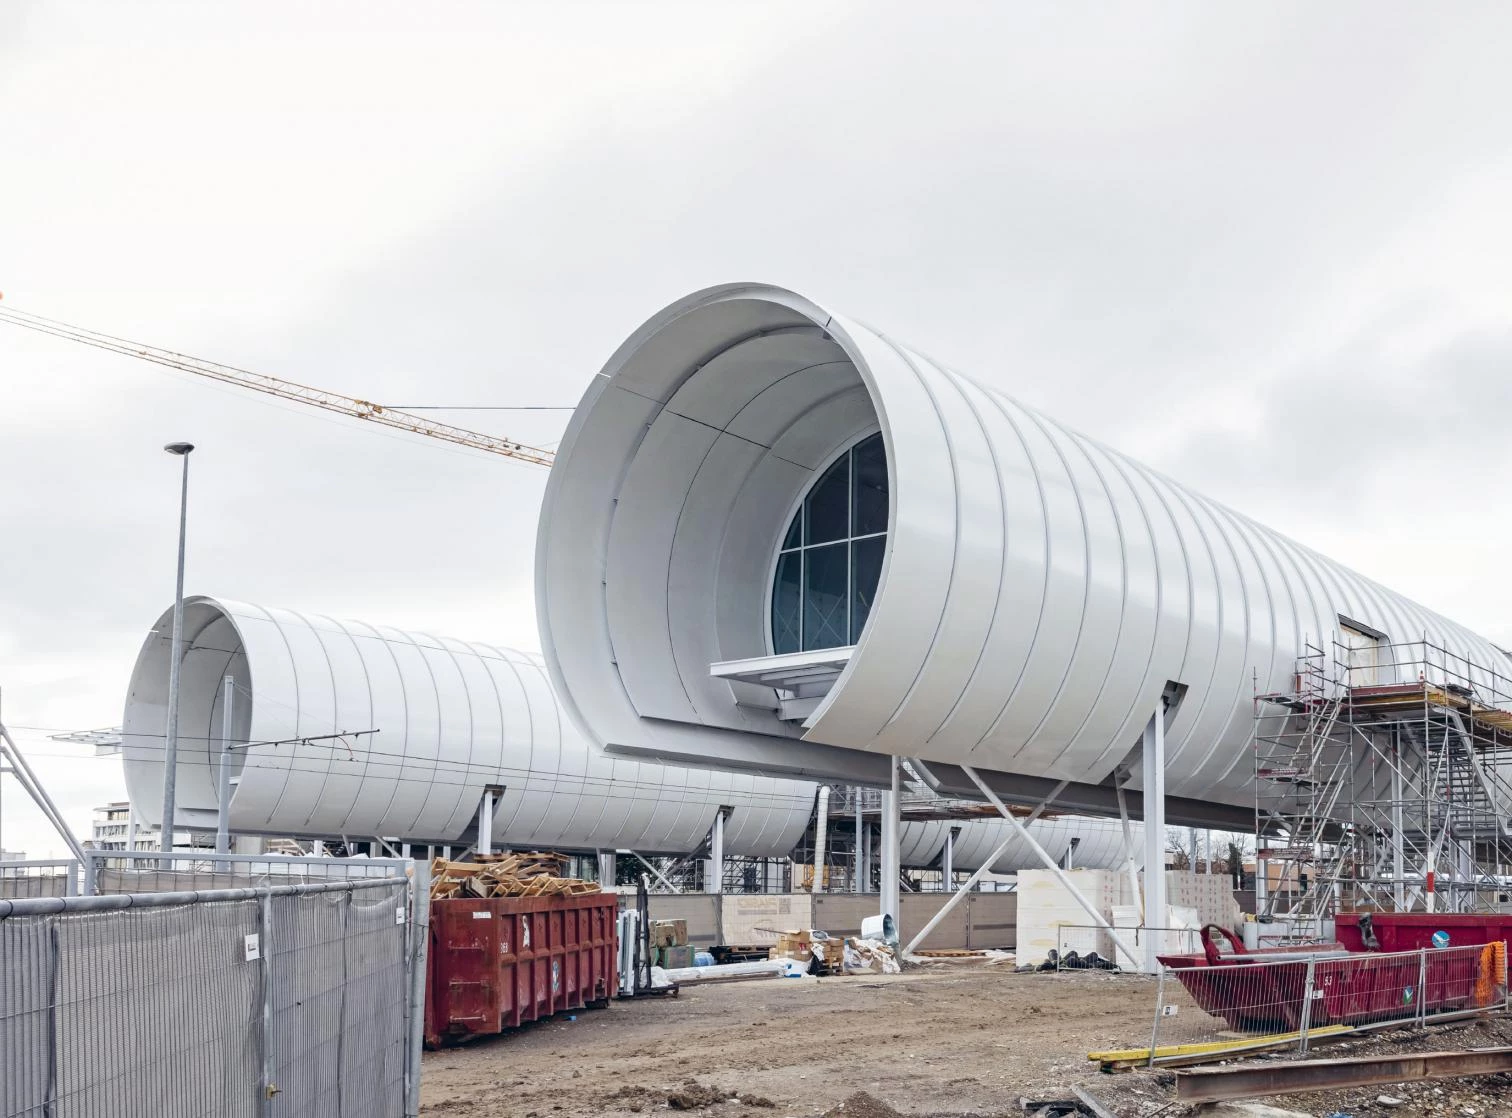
(454, 720)
(777, 538)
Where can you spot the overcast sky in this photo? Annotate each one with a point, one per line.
(1265, 249)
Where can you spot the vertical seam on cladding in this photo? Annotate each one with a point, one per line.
(367, 680)
(1282, 548)
(1081, 511)
(1118, 739)
(325, 776)
(529, 768)
(1179, 747)
(957, 382)
(436, 695)
(999, 402)
(1234, 704)
(955, 551)
(469, 770)
(1162, 492)
(493, 684)
(398, 764)
(1222, 513)
(298, 708)
(1328, 618)
(1123, 601)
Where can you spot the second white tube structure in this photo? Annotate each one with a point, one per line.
(428, 725)
(431, 728)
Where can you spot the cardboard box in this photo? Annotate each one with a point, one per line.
(669, 933)
(793, 945)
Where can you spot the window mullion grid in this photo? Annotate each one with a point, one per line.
(850, 530)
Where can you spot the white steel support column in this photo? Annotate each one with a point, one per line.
(714, 883)
(1154, 827)
(1050, 864)
(891, 855)
(858, 878)
(1131, 858)
(485, 822)
(223, 772)
(606, 869)
(949, 866)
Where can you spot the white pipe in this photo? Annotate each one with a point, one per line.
(1050, 864)
(772, 967)
(821, 833)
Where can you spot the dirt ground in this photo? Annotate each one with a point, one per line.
(956, 1039)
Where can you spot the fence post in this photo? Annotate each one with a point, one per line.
(1307, 1000)
(419, 945)
(269, 1088)
(1159, 1009)
(90, 884)
(1422, 990)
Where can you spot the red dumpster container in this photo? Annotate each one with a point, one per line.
(1413, 931)
(498, 963)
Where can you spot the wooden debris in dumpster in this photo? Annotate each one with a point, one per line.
(533, 874)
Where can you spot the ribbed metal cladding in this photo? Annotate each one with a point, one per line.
(453, 718)
(1039, 591)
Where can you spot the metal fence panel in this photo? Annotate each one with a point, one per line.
(26, 984)
(1294, 1001)
(290, 1003)
(157, 1013)
(40, 878)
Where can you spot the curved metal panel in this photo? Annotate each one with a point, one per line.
(451, 720)
(1038, 592)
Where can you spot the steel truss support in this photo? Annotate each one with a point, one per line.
(12, 761)
(1050, 864)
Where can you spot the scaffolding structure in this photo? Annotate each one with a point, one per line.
(1383, 781)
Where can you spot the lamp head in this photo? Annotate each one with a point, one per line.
(179, 448)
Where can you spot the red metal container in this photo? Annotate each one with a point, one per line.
(498, 963)
(1413, 931)
(1258, 994)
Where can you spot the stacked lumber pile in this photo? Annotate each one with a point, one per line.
(536, 874)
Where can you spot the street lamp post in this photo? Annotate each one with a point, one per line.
(170, 744)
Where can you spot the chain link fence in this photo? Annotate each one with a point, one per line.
(290, 1000)
(1293, 1000)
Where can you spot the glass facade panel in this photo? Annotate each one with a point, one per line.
(827, 507)
(825, 622)
(826, 577)
(866, 571)
(787, 599)
(869, 478)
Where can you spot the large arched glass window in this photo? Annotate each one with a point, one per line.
(831, 557)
